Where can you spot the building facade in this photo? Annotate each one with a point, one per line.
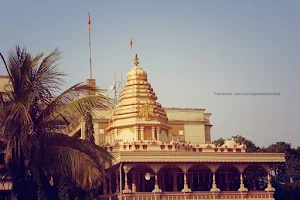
(167, 154)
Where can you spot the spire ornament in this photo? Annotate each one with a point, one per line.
(136, 60)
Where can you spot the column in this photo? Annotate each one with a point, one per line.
(142, 133)
(242, 187)
(214, 185)
(133, 185)
(126, 188)
(136, 133)
(156, 187)
(269, 188)
(157, 133)
(153, 133)
(185, 185)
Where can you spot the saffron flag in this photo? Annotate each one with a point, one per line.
(130, 43)
(89, 22)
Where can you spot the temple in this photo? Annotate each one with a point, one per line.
(167, 153)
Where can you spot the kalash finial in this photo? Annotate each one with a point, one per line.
(136, 60)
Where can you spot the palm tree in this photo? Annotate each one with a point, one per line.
(33, 116)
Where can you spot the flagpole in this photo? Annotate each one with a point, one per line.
(132, 54)
(90, 47)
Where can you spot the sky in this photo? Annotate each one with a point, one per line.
(190, 49)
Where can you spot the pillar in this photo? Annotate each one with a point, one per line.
(269, 187)
(142, 132)
(136, 133)
(185, 184)
(126, 188)
(242, 186)
(133, 185)
(157, 133)
(214, 185)
(153, 133)
(156, 187)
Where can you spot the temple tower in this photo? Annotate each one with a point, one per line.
(138, 116)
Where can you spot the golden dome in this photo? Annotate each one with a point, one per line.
(136, 72)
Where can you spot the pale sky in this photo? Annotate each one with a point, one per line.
(190, 50)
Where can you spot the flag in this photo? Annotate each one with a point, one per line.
(89, 22)
(130, 43)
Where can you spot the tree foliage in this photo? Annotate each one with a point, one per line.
(34, 112)
(89, 128)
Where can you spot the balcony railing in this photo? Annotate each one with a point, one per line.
(251, 195)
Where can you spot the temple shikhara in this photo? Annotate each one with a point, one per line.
(167, 154)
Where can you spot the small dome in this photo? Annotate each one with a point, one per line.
(136, 72)
(230, 143)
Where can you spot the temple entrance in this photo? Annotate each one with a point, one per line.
(199, 178)
(255, 178)
(170, 178)
(228, 178)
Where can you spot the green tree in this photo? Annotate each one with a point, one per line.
(285, 172)
(286, 176)
(219, 141)
(34, 112)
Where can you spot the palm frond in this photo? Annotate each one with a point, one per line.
(4, 62)
(65, 157)
(75, 164)
(71, 104)
(47, 76)
(103, 158)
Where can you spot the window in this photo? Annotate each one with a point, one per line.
(181, 132)
(101, 131)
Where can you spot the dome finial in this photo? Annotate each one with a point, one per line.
(136, 60)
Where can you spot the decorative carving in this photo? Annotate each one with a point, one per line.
(146, 111)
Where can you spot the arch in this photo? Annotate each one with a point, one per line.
(136, 176)
(255, 177)
(199, 177)
(170, 178)
(228, 177)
